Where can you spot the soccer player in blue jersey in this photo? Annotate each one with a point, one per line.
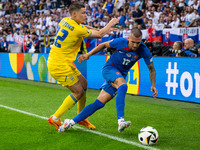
(115, 70)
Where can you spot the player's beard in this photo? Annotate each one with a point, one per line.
(134, 48)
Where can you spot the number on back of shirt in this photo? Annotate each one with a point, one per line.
(60, 38)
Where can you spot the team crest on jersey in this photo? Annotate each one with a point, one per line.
(72, 78)
(128, 55)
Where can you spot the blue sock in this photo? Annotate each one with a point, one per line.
(120, 100)
(88, 110)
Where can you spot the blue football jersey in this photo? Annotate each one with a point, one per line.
(124, 58)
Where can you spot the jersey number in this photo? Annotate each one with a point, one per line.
(60, 38)
(125, 61)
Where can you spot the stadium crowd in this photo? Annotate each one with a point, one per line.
(38, 17)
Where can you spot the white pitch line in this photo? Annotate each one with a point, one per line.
(86, 130)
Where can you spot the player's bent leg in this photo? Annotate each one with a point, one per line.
(81, 104)
(87, 111)
(68, 103)
(103, 98)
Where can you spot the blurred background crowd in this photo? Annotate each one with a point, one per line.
(33, 18)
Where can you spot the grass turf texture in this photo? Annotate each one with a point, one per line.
(176, 122)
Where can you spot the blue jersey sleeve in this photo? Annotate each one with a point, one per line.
(145, 53)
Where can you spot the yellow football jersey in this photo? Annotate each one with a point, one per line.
(67, 41)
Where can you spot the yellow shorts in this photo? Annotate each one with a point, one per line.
(67, 75)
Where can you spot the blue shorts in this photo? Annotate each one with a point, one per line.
(110, 74)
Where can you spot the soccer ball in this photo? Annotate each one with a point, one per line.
(148, 136)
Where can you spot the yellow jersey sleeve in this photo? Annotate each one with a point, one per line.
(67, 41)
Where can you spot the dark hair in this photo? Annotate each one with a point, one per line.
(34, 33)
(75, 7)
(136, 32)
(179, 44)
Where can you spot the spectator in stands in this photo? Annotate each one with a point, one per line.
(148, 13)
(182, 18)
(28, 45)
(181, 4)
(198, 22)
(138, 15)
(140, 3)
(196, 14)
(156, 3)
(131, 2)
(177, 48)
(122, 18)
(190, 2)
(32, 44)
(120, 4)
(94, 15)
(109, 6)
(190, 18)
(168, 21)
(153, 17)
(157, 13)
(10, 39)
(35, 42)
(175, 23)
(161, 22)
(196, 4)
(4, 45)
(126, 32)
(189, 48)
(157, 49)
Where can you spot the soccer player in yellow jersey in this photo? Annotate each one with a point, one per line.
(68, 39)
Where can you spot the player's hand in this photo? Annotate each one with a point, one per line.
(114, 21)
(110, 32)
(83, 57)
(153, 89)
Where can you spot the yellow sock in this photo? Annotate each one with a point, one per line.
(67, 104)
(81, 103)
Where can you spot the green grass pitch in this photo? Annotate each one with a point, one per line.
(178, 123)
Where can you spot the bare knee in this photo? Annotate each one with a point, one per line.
(77, 90)
(118, 82)
(83, 81)
(78, 93)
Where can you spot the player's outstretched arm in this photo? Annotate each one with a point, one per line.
(97, 49)
(152, 74)
(105, 30)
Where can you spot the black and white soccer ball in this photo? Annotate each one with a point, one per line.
(148, 136)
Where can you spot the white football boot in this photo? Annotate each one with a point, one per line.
(123, 125)
(65, 126)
